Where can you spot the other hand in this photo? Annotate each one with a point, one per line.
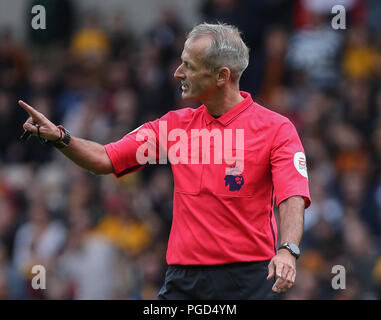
(284, 267)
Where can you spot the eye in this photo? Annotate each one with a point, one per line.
(186, 64)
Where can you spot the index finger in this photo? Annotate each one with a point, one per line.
(32, 112)
(279, 269)
(271, 270)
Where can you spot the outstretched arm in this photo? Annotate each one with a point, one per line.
(291, 227)
(87, 154)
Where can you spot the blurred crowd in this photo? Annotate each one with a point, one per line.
(99, 237)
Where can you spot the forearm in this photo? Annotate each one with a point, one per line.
(291, 225)
(89, 155)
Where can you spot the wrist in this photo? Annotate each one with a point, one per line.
(292, 248)
(285, 253)
(59, 135)
(64, 138)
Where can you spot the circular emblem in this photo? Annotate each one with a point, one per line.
(300, 163)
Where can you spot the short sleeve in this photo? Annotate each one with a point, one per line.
(288, 165)
(122, 154)
(137, 149)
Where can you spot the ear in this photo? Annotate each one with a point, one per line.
(223, 75)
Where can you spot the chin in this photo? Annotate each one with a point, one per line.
(188, 96)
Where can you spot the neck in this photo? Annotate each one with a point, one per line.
(223, 101)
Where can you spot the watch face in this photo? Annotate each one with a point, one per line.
(294, 248)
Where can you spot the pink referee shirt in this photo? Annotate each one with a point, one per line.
(223, 213)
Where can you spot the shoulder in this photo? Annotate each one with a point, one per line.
(268, 118)
(25, 229)
(184, 112)
(182, 115)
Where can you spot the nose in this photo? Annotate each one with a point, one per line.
(179, 73)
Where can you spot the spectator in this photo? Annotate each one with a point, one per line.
(91, 43)
(37, 242)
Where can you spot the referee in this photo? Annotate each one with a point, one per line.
(223, 240)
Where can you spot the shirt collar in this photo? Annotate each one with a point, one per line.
(229, 116)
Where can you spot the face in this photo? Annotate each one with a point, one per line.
(197, 81)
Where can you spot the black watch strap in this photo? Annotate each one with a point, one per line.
(64, 142)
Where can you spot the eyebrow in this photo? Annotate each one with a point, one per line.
(186, 61)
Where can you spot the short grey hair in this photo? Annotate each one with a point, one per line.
(227, 48)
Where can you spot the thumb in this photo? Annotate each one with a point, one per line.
(29, 127)
(271, 268)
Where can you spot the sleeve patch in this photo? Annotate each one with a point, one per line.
(300, 164)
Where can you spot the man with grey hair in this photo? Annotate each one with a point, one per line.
(226, 49)
(223, 240)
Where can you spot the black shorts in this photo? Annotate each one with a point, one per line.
(236, 281)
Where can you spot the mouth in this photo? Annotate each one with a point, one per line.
(184, 86)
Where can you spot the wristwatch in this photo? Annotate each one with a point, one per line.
(292, 247)
(62, 142)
